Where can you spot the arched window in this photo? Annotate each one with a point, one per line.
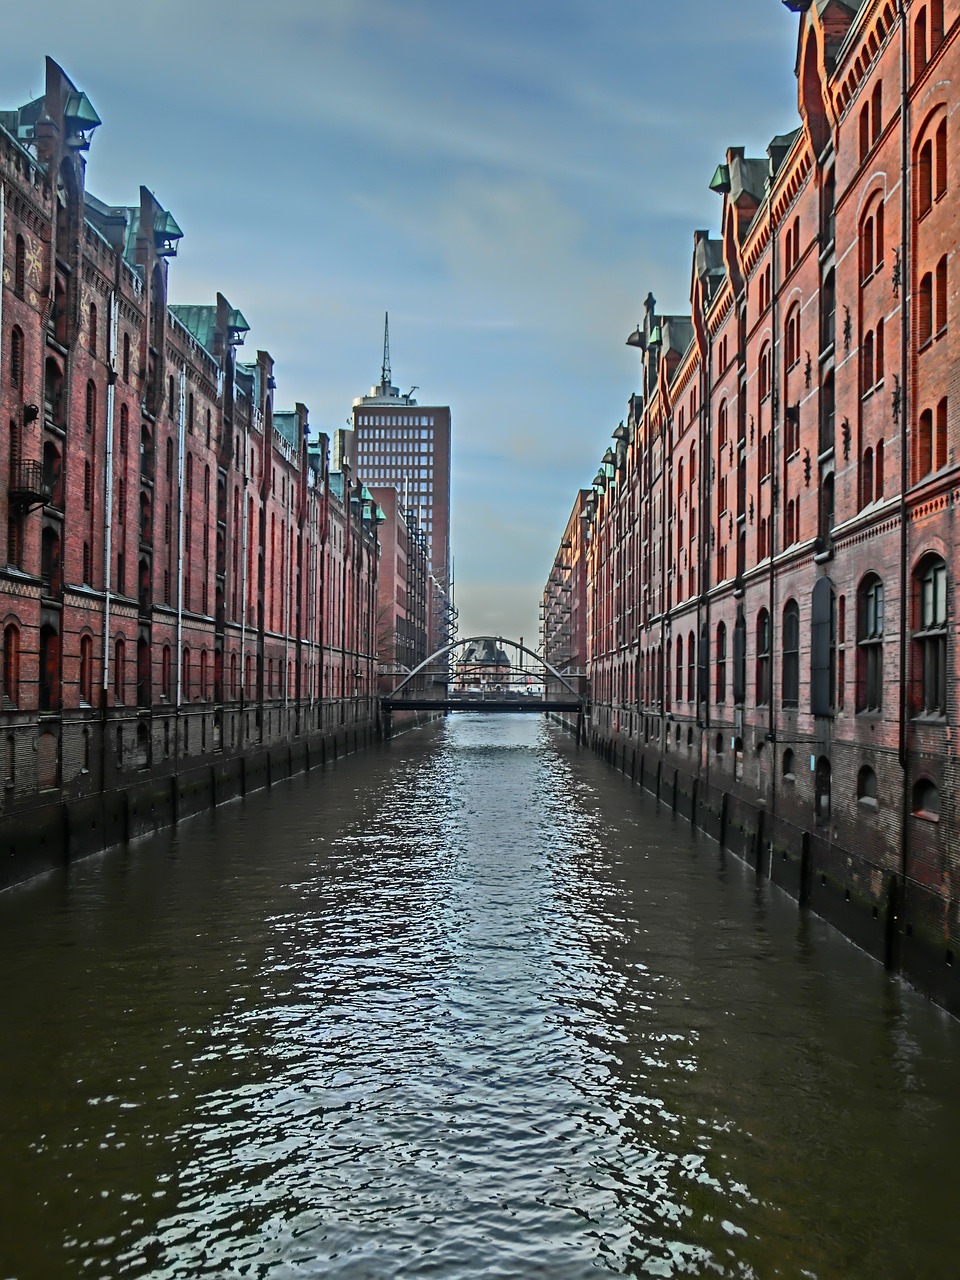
(185, 675)
(864, 131)
(924, 168)
(866, 364)
(925, 310)
(867, 787)
(762, 689)
(16, 358)
(929, 675)
(867, 260)
(722, 425)
(165, 672)
(878, 465)
(691, 667)
(924, 450)
(926, 799)
(936, 25)
(870, 644)
(790, 675)
(920, 42)
(763, 367)
(92, 329)
(203, 673)
(124, 427)
(91, 406)
(126, 357)
(940, 160)
(119, 672)
(940, 436)
(940, 296)
(823, 645)
(878, 355)
(792, 336)
(876, 112)
(787, 765)
(11, 665)
(86, 669)
(679, 668)
(866, 477)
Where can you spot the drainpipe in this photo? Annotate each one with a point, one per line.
(705, 500)
(108, 520)
(905, 269)
(243, 585)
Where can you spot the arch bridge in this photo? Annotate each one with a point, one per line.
(490, 686)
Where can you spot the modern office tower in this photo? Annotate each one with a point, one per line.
(406, 446)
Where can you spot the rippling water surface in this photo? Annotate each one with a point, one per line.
(466, 1006)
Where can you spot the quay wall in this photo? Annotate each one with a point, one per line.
(896, 920)
(108, 806)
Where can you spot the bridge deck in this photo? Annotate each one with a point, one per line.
(480, 704)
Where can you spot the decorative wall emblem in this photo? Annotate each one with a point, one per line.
(806, 467)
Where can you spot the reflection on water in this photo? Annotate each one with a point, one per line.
(467, 1006)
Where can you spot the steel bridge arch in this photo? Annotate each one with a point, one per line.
(501, 640)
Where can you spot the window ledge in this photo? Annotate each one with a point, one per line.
(868, 803)
(925, 815)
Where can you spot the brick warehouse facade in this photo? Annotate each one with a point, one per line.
(773, 545)
(188, 591)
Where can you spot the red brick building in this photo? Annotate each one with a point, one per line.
(183, 578)
(404, 598)
(773, 544)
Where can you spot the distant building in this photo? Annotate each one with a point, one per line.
(406, 446)
(482, 665)
(403, 606)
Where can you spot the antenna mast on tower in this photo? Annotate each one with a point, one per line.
(385, 375)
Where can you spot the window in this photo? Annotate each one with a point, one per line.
(864, 131)
(86, 669)
(792, 337)
(866, 364)
(790, 677)
(87, 486)
(926, 799)
(165, 672)
(866, 477)
(679, 667)
(936, 25)
(92, 330)
(867, 787)
(940, 160)
(867, 258)
(124, 427)
(763, 659)
(925, 310)
(940, 436)
(119, 674)
(788, 766)
(920, 42)
(878, 355)
(876, 112)
(11, 665)
(924, 178)
(924, 448)
(870, 644)
(940, 295)
(691, 667)
(126, 357)
(823, 644)
(16, 358)
(929, 688)
(721, 662)
(185, 675)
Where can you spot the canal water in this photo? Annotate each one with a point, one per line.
(466, 1005)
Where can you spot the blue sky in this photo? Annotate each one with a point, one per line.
(509, 180)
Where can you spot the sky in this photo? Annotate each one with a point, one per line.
(508, 179)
